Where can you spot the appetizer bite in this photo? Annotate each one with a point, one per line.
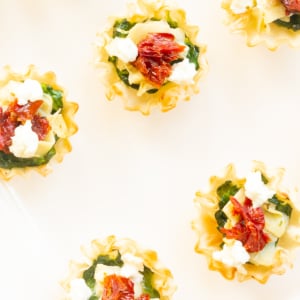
(36, 121)
(150, 56)
(118, 269)
(247, 227)
(272, 22)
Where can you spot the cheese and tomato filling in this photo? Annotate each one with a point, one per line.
(253, 216)
(119, 278)
(27, 125)
(153, 53)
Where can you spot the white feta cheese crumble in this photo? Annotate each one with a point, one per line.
(256, 190)
(102, 271)
(132, 266)
(25, 141)
(183, 72)
(233, 255)
(240, 6)
(123, 48)
(28, 90)
(79, 290)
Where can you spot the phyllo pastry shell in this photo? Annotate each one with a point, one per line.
(150, 56)
(273, 22)
(36, 122)
(119, 267)
(247, 227)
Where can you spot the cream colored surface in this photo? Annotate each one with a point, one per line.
(136, 176)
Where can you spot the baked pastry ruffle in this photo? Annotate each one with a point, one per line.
(119, 267)
(272, 22)
(247, 227)
(150, 56)
(36, 122)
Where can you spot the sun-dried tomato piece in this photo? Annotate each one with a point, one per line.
(292, 6)
(7, 129)
(26, 111)
(40, 126)
(143, 297)
(249, 229)
(17, 114)
(118, 288)
(155, 54)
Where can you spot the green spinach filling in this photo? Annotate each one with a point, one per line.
(114, 259)
(293, 24)
(224, 192)
(56, 95)
(121, 29)
(124, 74)
(228, 189)
(281, 205)
(9, 161)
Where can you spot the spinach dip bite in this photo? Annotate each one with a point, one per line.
(247, 227)
(150, 56)
(36, 121)
(114, 268)
(272, 22)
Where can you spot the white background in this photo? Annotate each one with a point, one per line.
(136, 176)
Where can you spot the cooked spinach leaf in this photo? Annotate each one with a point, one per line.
(9, 161)
(147, 284)
(224, 192)
(193, 53)
(124, 74)
(281, 205)
(113, 259)
(221, 218)
(293, 24)
(56, 95)
(121, 28)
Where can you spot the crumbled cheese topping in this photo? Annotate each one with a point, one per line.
(123, 48)
(240, 6)
(256, 190)
(28, 90)
(79, 290)
(25, 141)
(103, 270)
(183, 72)
(233, 254)
(131, 269)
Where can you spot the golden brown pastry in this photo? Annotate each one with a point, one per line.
(119, 268)
(150, 56)
(273, 22)
(36, 122)
(247, 227)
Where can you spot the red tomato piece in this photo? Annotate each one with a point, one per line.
(155, 54)
(40, 126)
(292, 6)
(118, 288)
(143, 297)
(16, 115)
(249, 229)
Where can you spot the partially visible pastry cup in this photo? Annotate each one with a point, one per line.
(272, 22)
(119, 267)
(36, 122)
(150, 56)
(248, 226)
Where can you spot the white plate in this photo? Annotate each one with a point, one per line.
(136, 176)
